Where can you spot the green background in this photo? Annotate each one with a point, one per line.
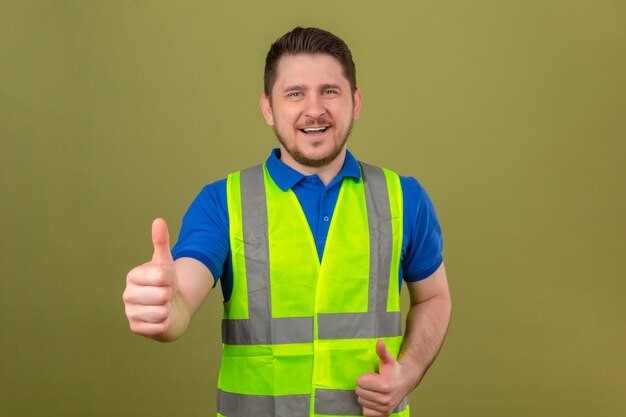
(512, 114)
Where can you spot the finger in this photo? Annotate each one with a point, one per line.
(375, 400)
(161, 242)
(386, 358)
(147, 295)
(148, 314)
(370, 381)
(149, 274)
(371, 394)
(148, 329)
(372, 405)
(368, 412)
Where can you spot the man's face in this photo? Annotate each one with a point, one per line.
(312, 108)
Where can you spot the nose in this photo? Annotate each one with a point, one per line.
(314, 106)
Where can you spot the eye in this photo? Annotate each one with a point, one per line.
(295, 94)
(330, 91)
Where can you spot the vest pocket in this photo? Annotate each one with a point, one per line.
(267, 369)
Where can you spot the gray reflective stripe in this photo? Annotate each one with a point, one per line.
(377, 322)
(337, 403)
(381, 239)
(344, 403)
(257, 332)
(359, 325)
(261, 328)
(254, 224)
(243, 405)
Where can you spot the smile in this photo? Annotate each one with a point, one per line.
(314, 130)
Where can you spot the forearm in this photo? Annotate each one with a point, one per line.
(427, 322)
(426, 326)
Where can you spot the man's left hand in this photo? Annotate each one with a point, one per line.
(380, 393)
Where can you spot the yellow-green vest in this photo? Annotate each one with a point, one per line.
(298, 333)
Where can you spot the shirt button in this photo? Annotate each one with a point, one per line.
(313, 181)
(326, 218)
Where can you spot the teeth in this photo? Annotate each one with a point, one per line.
(314, 129)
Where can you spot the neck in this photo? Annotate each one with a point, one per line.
(326, 172)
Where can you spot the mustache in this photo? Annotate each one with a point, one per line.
(321, 120)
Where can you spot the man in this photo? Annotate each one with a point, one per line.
(311, 248)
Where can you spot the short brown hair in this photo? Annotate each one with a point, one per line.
(308, 41)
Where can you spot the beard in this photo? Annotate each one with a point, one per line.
(315, 162)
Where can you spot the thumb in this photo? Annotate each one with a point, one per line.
(386, 358)
(161, 242)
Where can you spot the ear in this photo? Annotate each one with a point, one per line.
(357, 104)
(266, 109)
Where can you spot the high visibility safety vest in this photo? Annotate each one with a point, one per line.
(297, 333)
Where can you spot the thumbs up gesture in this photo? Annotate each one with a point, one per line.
(380, 393)
(151, 288)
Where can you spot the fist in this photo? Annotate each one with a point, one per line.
(380, 393)
(151, 287)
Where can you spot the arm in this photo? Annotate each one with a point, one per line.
(426, 326)
(161, 296)
(426, 323)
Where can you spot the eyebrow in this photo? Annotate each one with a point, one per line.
(302, 87)
(326, 86)
(294, 87)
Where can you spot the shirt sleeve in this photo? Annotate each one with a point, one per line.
(204, 234)
(423, 247)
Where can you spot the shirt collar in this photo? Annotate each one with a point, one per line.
(286, 177)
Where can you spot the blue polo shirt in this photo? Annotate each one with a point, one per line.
(204, 234)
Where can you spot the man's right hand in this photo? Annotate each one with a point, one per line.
(151, 288)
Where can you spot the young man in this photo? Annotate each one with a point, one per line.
(310, 247)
